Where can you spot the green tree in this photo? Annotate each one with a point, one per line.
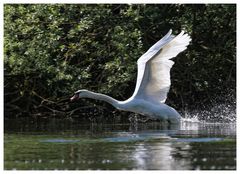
(51, 50)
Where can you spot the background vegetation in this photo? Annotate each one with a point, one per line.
(50, 51)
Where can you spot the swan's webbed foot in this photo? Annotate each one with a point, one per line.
(135, 118)
(144, 119)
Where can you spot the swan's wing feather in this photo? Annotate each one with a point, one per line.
(152, 51)
(153, 80)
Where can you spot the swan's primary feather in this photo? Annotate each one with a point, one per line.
(153, 80)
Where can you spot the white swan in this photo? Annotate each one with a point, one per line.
(153, 81)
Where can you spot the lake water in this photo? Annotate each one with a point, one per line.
(54, 144)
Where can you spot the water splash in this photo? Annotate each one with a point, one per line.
(219, 113)
(190, 118)
(221, 109)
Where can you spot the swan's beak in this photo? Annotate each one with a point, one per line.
(74, 98)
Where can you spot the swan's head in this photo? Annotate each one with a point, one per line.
(79, 94)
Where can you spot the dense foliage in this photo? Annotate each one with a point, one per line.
(52, 50)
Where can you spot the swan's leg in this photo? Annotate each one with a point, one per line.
(133, 118)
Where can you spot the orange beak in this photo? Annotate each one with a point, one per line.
(74, 98)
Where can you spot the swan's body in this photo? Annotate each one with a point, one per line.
(153, 81)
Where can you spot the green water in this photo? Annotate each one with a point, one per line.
(52, 144)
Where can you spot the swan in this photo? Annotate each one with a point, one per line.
(153, 81)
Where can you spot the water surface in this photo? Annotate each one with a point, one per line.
(52, 144)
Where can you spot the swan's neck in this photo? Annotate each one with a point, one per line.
(117, 104)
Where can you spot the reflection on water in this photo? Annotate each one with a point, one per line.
(199, 139)
(61, 144)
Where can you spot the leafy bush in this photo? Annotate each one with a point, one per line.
(51, 50)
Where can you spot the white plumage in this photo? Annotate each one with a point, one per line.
(153, 80)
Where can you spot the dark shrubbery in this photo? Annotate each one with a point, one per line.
(52, 50)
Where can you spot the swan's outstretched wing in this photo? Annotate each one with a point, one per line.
(153, 80)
